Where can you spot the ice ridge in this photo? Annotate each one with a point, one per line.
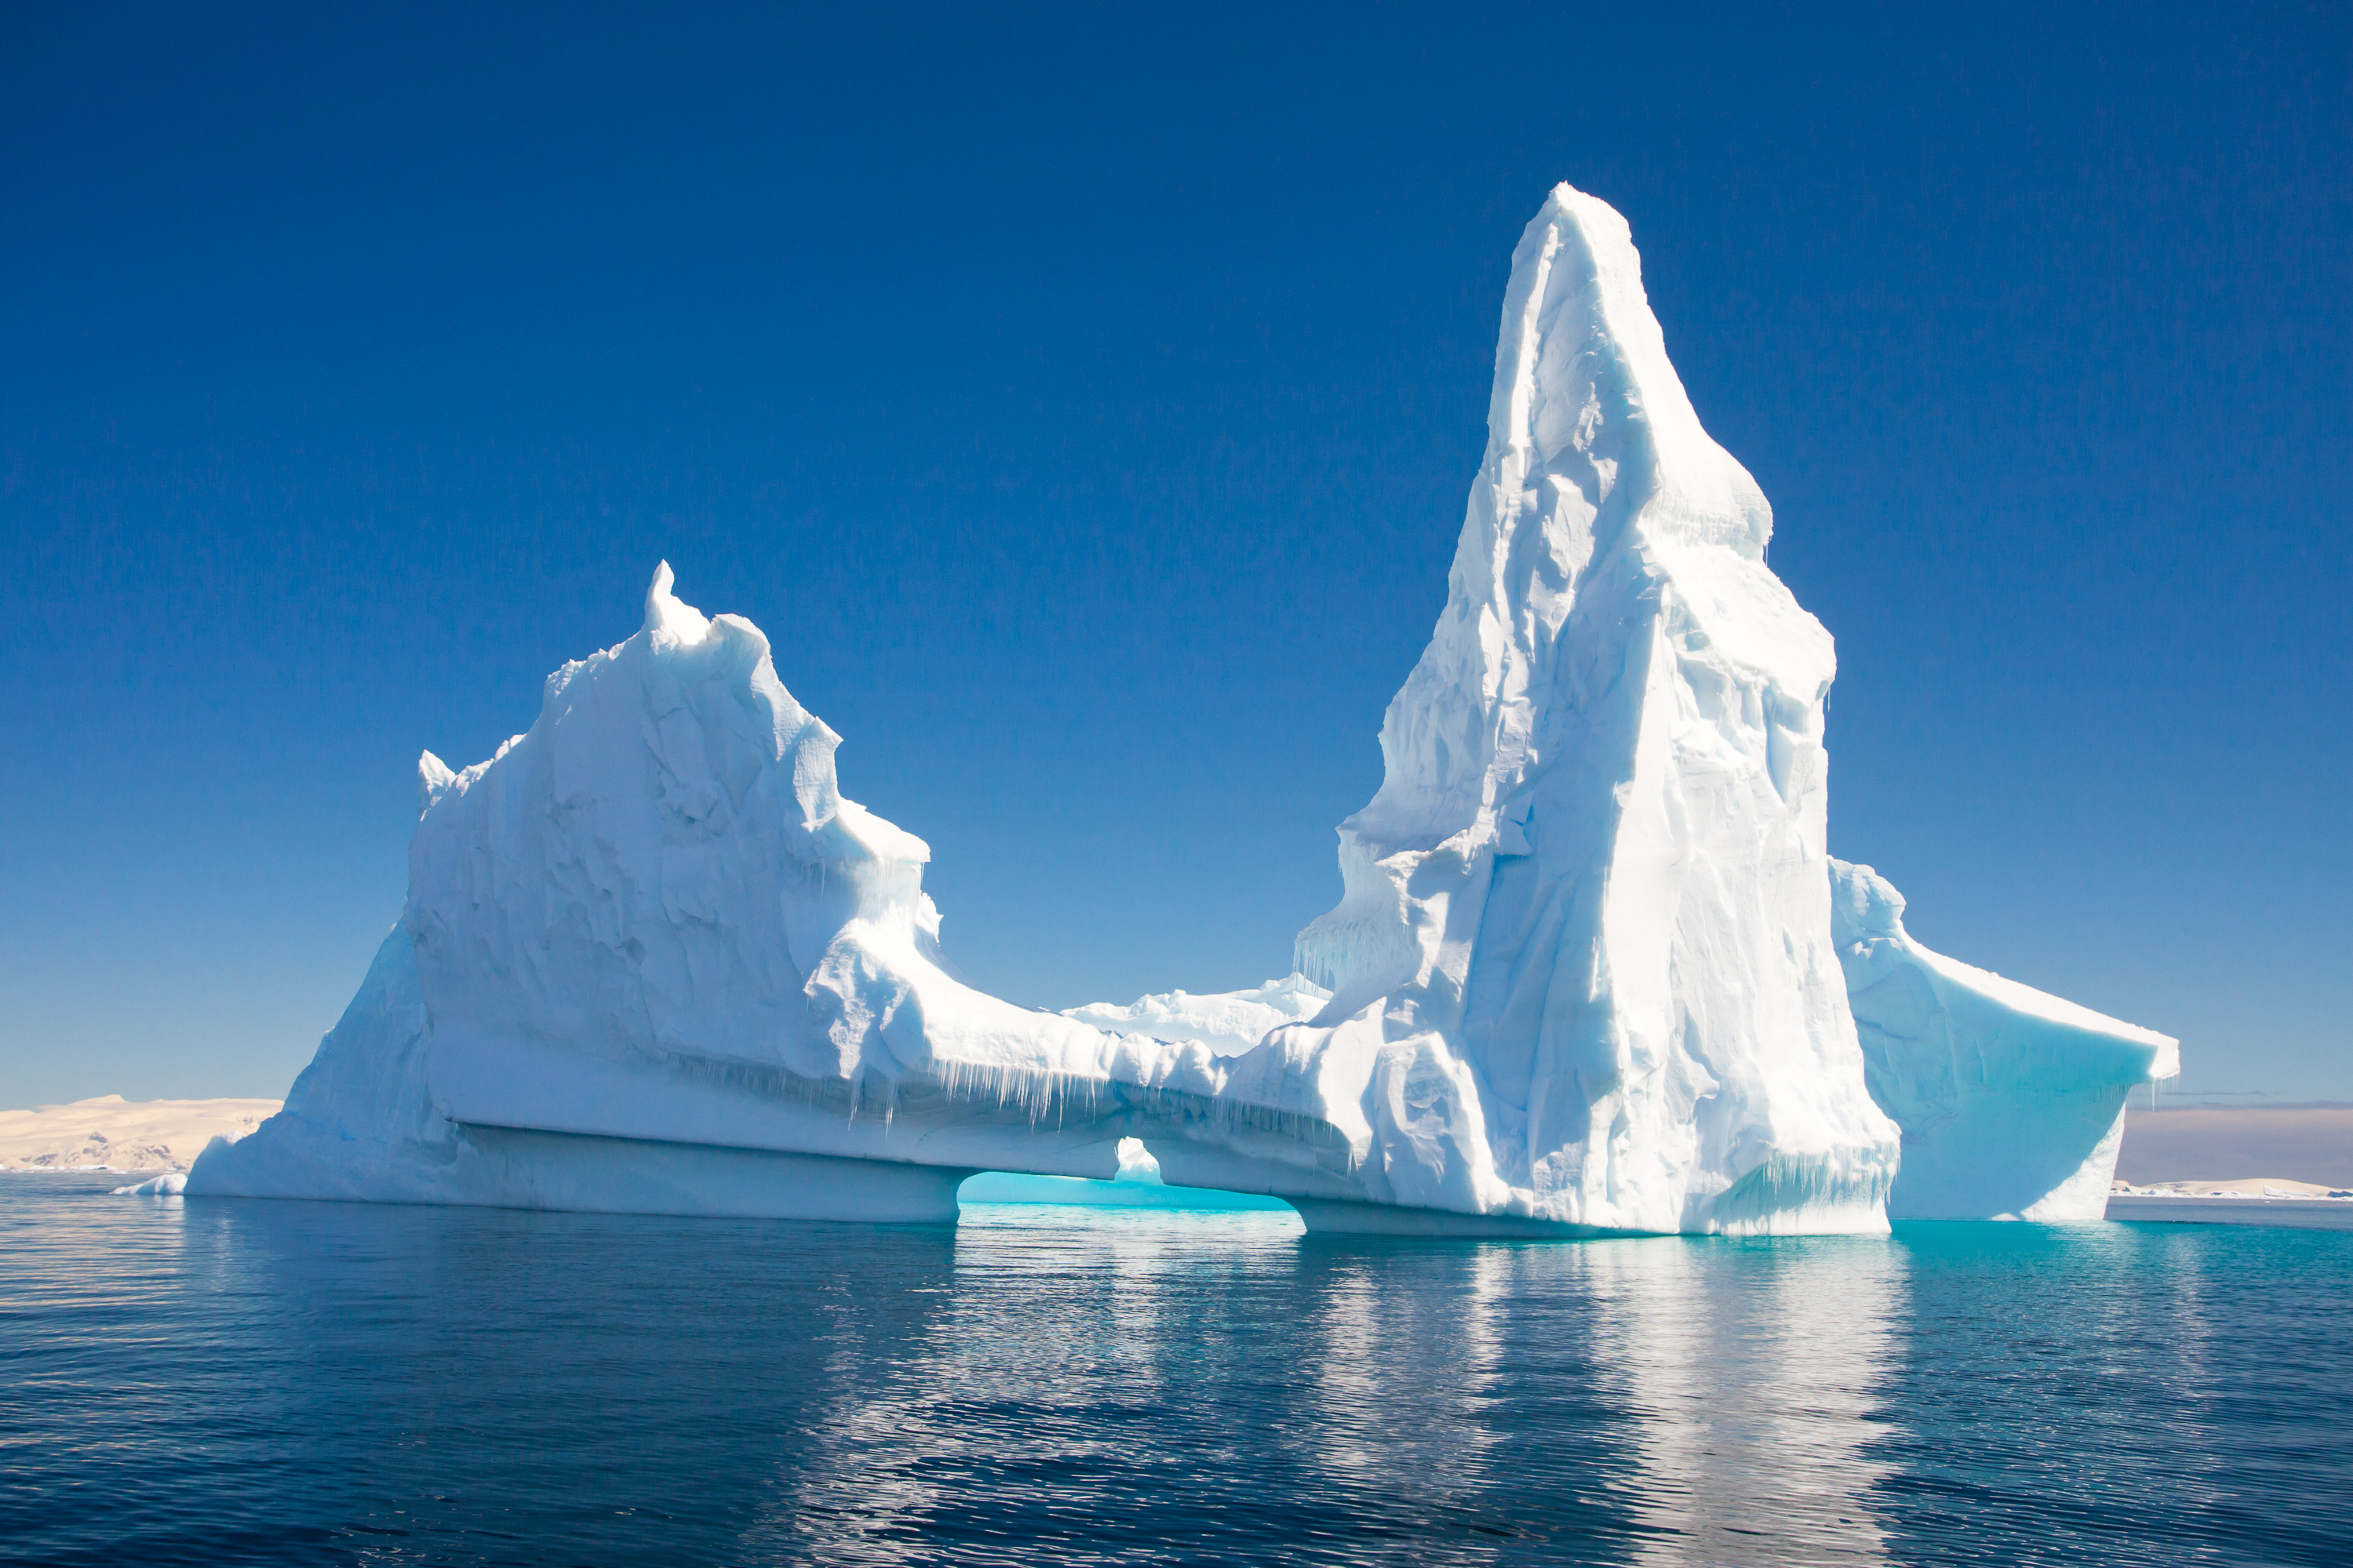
(2012, 1100)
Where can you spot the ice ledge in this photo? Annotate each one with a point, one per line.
(2010, 1099)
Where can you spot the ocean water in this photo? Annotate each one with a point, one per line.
(255, 1382)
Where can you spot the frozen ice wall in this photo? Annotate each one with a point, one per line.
(1585, 940)
(2012, 1100)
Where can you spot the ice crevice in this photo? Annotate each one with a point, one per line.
(1583, 977)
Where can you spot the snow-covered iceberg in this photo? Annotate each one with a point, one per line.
(2011, 1099)
(1582, 974)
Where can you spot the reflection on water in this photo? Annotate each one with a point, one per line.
(1752, 1372)
(256, 1382)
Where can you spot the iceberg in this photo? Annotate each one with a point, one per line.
(2012, 1100)
(1137, 1184)
(1581, 980)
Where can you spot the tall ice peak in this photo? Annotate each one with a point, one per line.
(1588, 909)
(1585, 395)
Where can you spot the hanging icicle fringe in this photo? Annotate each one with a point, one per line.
(1038, 1097)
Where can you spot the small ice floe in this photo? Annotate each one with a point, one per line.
(169, 1184)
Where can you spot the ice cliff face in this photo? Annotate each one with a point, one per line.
(1585, 936)
(2012, 1100)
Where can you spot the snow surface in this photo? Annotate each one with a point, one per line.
(2011, 1099)
(111, 1133)
(1582, 978)
(1229, 1022)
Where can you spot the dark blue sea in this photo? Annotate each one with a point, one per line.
(225, 1382)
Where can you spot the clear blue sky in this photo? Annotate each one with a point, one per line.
(1084, 401)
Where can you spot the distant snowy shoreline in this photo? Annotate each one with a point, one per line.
(111, 1133)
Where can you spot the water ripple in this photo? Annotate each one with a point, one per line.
(218, 1382)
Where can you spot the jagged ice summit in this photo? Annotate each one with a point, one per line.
(1594, 969)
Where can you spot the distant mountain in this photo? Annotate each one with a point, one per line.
(113, 1134)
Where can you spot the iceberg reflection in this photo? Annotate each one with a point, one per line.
(303, 1381)
(1749, 1374)
(1095, 1373)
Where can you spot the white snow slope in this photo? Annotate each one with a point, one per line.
(1229, 1021)
(2012, 1100)
(652, 959)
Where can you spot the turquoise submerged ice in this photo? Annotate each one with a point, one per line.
(1137, 1185)
(1582, 979)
